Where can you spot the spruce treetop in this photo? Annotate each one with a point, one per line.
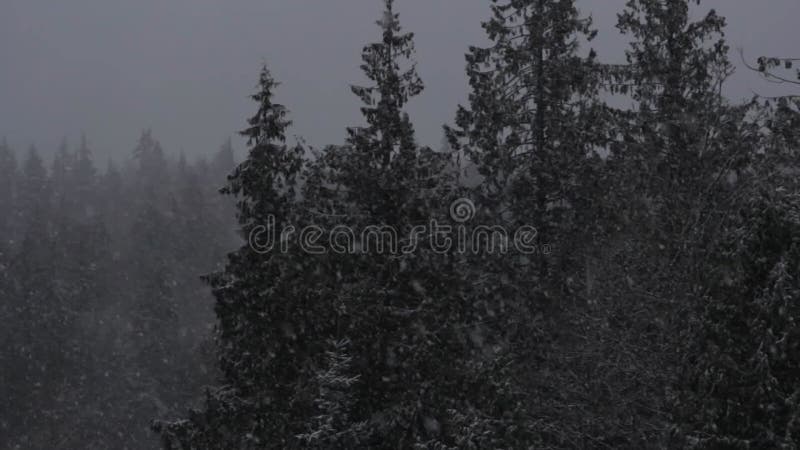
(269, 123)
(393, 86)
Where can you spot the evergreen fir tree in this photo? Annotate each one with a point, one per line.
(34, 192)
(533, 124)
(8, 188)
(266, 321)
(85, 182)
(223, 163)
(679, 146)
(332, 427)
(676, 68)
(408, 329)
(152, 166)
(384, 149)
(741, 373)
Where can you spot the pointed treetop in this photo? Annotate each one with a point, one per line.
(389, 65)
(85, 165)
(62, 157)
(8, 160)
(84, 148)
(33, 164)
(84, 156)
(390, 20)
(182, 160)
(270, 122)
(147, 145)
(224, 158)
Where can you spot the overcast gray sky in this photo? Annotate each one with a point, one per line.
(185, 67)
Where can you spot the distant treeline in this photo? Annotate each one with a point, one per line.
(106, 324)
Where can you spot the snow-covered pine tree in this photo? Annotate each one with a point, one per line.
(532, 127)
(677, 66)
(331, 426)
(377, 164)
(419, 340)
(741, 386)
(269, 315)
(533, 122)
(41, 359)
(265, 182)
(681, 146)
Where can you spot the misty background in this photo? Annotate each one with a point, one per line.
(658, 309)
(185, 68)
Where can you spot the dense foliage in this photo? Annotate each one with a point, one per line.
(655, 304)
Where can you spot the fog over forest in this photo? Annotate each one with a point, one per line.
(184, 68)
(422, 224)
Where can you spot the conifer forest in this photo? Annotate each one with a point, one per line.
(597, 255)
